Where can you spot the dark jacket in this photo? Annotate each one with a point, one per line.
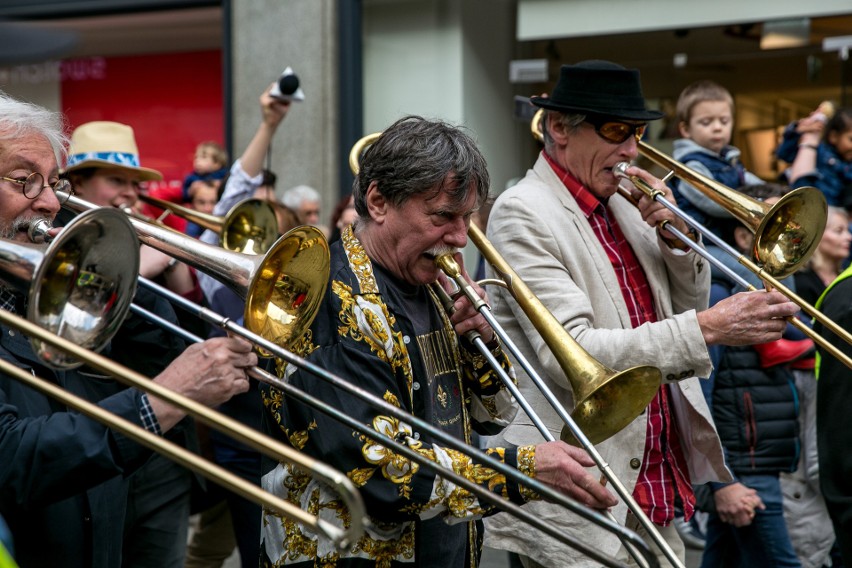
(755, 411)
(832, 175)
(834, 416)
(724, 167)
(63, 477)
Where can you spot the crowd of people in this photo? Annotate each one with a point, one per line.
(746, 429)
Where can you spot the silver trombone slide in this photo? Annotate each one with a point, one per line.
(543, 490)
(264, 444)
(162, 446)
(453, 271)
(620, 169)
(476, 339)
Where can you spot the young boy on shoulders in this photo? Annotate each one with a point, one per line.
(705, 114)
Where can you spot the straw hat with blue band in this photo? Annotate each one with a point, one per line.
(105, 144)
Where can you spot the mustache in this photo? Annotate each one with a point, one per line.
(437, 251)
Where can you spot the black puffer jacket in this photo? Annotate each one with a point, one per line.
(755, 411)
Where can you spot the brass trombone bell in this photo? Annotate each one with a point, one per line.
(605, 401)
(785, 234)
(250, 227)
(282, 288)
(80, 285)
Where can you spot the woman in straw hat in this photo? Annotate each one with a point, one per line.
(104, 168)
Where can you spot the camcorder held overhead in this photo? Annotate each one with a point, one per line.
(286, 87)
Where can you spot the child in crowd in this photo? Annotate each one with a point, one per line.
(205, 195)
(210, 163)
(705, 114)
(819, 151)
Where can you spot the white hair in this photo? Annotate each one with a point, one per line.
(18, 118)
(295, 196)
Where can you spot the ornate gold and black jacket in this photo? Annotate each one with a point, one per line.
(394, 340)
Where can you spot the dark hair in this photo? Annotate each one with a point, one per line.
(839, 123)
(287, 218)
(415, 155)
(80, 175)
(336, 214)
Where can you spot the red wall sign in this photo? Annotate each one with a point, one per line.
(173, 101)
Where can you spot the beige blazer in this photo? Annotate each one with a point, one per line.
(539, 229)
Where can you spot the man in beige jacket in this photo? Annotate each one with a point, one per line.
(630, 294)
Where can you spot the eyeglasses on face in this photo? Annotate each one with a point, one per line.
(616, 132)
(33, 184)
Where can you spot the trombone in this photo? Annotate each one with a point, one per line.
(91, 261)
(759, 271)
(401, 447)
(280, 287)
(250, 227)
(151, 233)
(335, 479)
(80, 284)
(606, 401)
(786, 234)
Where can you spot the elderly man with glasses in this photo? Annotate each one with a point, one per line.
(64, 477)
(629, 293)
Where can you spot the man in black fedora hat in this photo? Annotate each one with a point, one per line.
(630, 293)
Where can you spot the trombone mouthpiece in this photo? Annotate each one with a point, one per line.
(620, 169)
(448, 264)
(37, 231)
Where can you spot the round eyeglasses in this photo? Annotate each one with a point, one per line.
(617, 132)
(33, 185)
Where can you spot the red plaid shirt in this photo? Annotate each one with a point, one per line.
(664, 473)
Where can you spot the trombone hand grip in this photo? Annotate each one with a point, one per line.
(620, 170)
(449, 307)
(451, 268)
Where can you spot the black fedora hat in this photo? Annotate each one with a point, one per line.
(600, 88)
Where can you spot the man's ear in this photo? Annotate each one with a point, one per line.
(377, 205)
(683, 129)
(556, 128)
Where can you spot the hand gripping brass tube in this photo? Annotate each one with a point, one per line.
(759, 271)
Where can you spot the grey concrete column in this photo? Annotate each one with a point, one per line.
(268, 36)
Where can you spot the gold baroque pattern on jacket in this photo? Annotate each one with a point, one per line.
(301, 346)
(526, 465)
(359, 262)
(395, 468)
(366, 317)
(298, 544)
